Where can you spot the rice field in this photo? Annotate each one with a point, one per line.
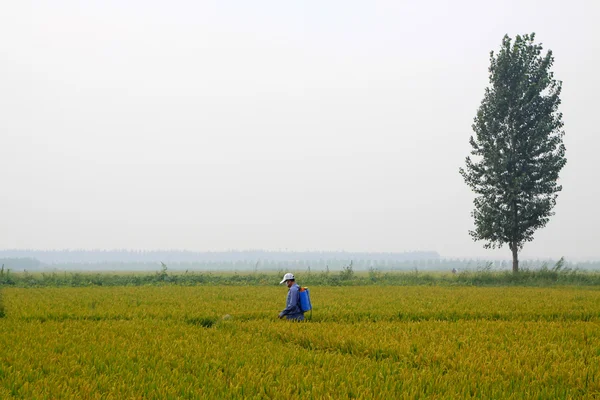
(169, 342)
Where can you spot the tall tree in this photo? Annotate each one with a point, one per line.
(518, 148)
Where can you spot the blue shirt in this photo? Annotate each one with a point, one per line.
(292, 305)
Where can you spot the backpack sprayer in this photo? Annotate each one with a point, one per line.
(305, 304)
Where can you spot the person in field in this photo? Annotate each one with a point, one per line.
(292, 309)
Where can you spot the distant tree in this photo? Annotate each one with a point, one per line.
(518, 148)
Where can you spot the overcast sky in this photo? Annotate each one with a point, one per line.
(307, 125)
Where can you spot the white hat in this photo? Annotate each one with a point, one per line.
(287, 277)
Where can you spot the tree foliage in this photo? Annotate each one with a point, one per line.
(517, 151)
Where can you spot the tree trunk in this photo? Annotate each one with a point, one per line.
(515, 254)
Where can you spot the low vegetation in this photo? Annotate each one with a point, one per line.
(486, 275)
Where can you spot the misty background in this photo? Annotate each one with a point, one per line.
(284, 126)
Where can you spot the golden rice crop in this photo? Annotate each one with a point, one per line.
(362, 342)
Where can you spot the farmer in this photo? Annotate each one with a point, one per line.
(292, 306)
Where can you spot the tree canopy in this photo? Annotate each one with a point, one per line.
(517, 151)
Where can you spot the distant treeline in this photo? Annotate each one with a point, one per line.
(183, 256)
(336, 262)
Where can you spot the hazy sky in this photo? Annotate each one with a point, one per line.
(307, 125)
